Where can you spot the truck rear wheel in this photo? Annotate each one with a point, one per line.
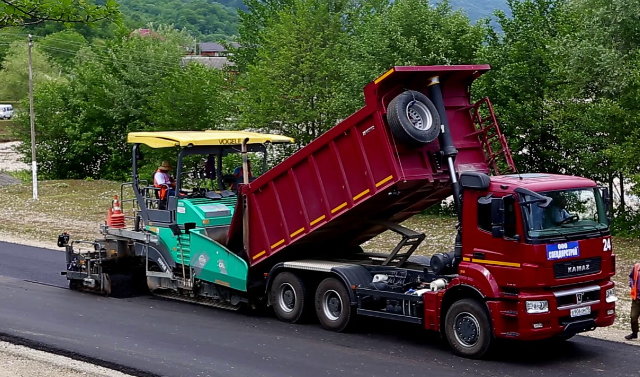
(468, 328)
(333, 305)
(288, 297)
(413, 118)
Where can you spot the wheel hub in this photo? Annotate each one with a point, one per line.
(419, 116)
(466, 329)
(332, 305)
(287, 297)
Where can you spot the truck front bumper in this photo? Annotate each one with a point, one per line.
(567, 313)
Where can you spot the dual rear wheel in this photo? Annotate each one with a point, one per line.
(467, 326)
(291, 301)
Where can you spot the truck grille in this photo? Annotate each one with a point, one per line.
(580, 297)
(574, 268)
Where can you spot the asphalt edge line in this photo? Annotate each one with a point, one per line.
(37, 345)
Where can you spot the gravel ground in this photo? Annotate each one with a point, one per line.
(19, 361)
(9, 160)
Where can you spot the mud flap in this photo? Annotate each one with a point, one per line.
(105, 284)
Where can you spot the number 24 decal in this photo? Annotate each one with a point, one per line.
(606, 244)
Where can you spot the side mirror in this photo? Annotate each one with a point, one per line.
(606, 199)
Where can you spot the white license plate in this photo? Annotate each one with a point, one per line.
(577, 312)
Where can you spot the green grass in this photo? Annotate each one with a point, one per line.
(5, 126)
(22, 175)
(76, 206)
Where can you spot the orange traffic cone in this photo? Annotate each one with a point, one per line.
(115, 217)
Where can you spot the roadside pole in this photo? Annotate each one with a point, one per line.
(34, 165)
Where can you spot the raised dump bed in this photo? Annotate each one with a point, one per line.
(331, 195)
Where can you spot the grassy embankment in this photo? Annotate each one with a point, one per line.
(79, 207)
(5, 126)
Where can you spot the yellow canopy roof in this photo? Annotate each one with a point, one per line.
(165, 139)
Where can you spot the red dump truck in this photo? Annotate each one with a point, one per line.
(532, 257)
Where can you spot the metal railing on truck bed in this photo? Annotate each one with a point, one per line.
(334, 193)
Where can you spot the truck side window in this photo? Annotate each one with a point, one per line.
(484, 216)
(510, 229)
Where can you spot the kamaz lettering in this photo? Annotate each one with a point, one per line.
(581, 268)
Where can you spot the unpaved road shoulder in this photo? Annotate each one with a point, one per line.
(19, 361)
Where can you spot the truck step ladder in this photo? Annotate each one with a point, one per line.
(493, 141)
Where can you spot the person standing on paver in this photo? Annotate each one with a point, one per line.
(634, 282)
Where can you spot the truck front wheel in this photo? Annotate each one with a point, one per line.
(468, 328)
(288, 297)
(333, 305)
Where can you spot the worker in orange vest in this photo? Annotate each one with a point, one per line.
(163, 181)
(634, 283)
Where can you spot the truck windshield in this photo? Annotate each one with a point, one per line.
(570, 212)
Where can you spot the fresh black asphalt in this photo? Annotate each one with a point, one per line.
(151, 336)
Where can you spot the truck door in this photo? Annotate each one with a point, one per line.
(491, 235)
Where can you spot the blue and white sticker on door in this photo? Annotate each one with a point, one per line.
(563, 250)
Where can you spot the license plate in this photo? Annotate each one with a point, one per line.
(577, 312)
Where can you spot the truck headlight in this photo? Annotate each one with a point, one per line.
(610, 295)
(534, 307)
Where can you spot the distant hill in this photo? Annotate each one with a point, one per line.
(208, 20)
(212, 20)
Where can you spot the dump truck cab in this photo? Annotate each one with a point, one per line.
(540, 246)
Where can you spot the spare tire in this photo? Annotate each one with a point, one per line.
(413, 118)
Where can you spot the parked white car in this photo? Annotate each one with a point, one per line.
(6, 111)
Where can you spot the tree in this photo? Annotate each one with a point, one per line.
(7, 37)
(405, 32)
(292, 83)
(32, 12)
(190, 98)
(523, 85)
(600, 60)
(14, 75)
(260, 15)
(62, 47)
(83, 124)
(303, 64)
